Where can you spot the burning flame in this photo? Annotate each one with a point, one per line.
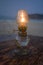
(22, 20)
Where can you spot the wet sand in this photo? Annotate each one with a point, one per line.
(33, 56)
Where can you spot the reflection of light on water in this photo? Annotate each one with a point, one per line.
(23, 41)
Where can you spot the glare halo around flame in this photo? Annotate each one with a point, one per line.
(22, 17)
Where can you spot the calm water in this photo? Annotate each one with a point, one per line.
(7, 27)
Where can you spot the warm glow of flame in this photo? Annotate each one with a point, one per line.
(22, 17)
(22, 20)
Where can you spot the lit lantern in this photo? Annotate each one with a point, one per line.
(22, 20)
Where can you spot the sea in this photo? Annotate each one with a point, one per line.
(8, 28)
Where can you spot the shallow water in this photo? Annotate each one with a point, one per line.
(8, 28)
(35, 27)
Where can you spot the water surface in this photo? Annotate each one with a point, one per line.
(8, 28)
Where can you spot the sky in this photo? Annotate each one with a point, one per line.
(11, 7)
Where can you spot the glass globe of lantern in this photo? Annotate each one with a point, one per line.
(22, 18)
